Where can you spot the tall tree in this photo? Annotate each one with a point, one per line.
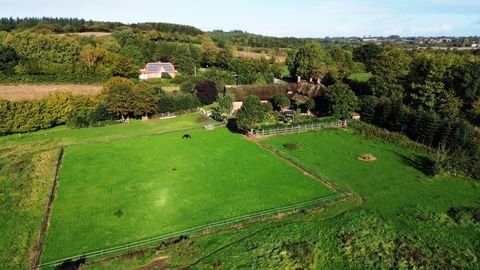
(342, 101)
(8, 59)
(305, 60)
(225, 103)
(118, 96)
(251, 114)
(206, 91)
(145, 99)
(209, 52)
(390, 70)
(366, 54)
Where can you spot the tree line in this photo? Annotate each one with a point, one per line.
(432, 97)
(30, 56)
(75, 25)
(119, 100)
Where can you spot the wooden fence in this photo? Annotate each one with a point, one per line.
(152, 241)
(300, 128)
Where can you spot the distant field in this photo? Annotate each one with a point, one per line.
(95, 34)
(34, 91)
(360, 77)
(161, 184)
(256, 55)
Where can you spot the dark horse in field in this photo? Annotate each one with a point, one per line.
(186, 136)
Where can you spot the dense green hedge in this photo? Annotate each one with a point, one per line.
(177, 102)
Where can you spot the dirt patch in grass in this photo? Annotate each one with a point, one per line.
(366, 157)
(202, 119)
(33, 91)
(159, 263)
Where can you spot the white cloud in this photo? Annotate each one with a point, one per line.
(462, 3)
(431, 29)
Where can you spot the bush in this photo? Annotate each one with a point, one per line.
(187, 87)
(267, 107)
(177, 102)
(206, 92)
(291, 146)
(165, 75)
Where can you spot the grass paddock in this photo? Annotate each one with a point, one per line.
(126, 190)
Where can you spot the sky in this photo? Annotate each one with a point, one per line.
(297, 18)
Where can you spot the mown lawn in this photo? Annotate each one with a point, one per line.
(65, 135)
(126, 190)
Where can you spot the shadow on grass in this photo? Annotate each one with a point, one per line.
(232, 126)
(71, 265)
(419, 162)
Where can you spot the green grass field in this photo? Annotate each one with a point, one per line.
(163, 184)
(27, 166)
(144, 169)
(392, 182)
(26, 175)
(405, 222)
(408, 219)
(63, 135)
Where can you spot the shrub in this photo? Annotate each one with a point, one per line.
(291, 146)
(165, 75)
(206, 92)
(176, 102)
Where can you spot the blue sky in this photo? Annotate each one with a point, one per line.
(299, 18)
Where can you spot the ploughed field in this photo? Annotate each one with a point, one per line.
(116, 192)
(36, 91)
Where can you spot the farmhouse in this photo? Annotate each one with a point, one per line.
(299, 92)
(264, 92)
(155, 70)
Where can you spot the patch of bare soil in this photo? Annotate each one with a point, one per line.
(158, 263)
(366, 157)
(202, 119)
(33, 91)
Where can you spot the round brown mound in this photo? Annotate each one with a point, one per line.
(366, 157)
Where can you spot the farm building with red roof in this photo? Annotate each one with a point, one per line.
(155, 70)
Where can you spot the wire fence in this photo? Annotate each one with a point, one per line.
(300, 128)
(131, 246)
